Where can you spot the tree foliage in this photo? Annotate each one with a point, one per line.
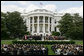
(71, 26)
(55, 33)
(13, 23)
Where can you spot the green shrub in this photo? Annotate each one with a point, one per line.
(55, 33)
(43, 42)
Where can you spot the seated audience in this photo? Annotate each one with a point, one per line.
(23, 49)
(67, 49)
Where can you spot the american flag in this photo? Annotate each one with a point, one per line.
(41, 3)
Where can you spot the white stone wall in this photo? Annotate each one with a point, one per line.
(55, 16)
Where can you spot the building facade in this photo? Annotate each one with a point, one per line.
(41, 21)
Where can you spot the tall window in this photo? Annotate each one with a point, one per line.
(35, 26)
(30, 19)
(46, 19)
(50, 19)
(46, 28)
(40, 19)
(35, 19)
(55, 29)
(41, 27)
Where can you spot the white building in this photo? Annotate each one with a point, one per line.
(41, 21)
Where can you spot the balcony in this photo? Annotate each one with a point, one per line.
(40, 21)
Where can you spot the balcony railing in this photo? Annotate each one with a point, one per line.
(40, 21)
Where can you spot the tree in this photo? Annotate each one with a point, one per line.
(15, 24)
(71, 26)
(78, 26)
(3, 25)
(55, 33)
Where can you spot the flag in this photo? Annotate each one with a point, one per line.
(41, 3)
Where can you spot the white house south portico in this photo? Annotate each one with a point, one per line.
(41, 21)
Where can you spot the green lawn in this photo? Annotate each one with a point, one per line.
(50, 52)
(78, 41)
(6, 41)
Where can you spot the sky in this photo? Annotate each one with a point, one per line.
(58, 6)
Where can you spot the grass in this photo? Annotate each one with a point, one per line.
(50, 52)
(6, 41)
(78, 41)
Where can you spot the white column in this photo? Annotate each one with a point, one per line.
(57, 29)
(32, 25)
(52, 23)
(43, 24)
(38, 25)
(48, 24)
(29, 23)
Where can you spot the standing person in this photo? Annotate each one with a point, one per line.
(25, 37)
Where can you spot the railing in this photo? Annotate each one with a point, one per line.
(40, 21)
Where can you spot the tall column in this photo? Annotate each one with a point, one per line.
(52, 23)
(29, 23)
(38, 25)
(32, 25)
(48, 24)
(43, 24)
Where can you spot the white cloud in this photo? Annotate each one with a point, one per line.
(74, 10)
(11, 8)
(31, 7)
(24, 2)
(28, 6)
(50, 7)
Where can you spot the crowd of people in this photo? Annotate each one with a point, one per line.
(32, 37)
(47, 37)
(23, 49)
(54, 37)
(67, 49)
